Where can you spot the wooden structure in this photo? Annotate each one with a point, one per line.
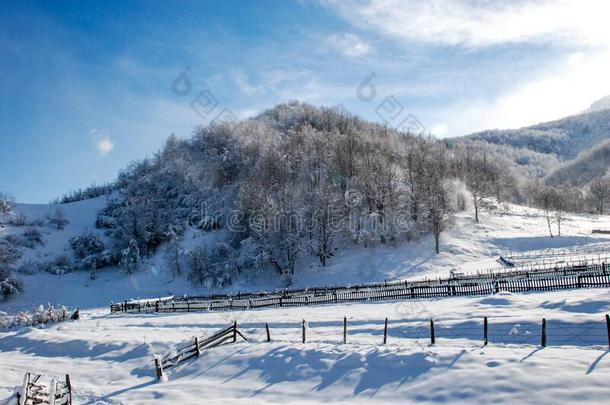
(35, 391)
(195, 348)
(548, 279)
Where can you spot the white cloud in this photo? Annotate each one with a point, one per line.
(350, 45)
(475, 23)
(269, 81)
(551, 92)
(439, 130)
(243, 84)
(576, 59)
(103, 143)
(104, 146)
(565, 90)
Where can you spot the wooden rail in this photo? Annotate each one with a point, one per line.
(34, 391)
(194, 349)
(558, 278)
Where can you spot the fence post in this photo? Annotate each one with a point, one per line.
(52, 391)
(23, 394)
(608, 328)
(485, 325)
(158, 368)
(303, 329)
(385, 331)
(345, 330)
(432, 337)
(69, 393)
(197, 346)
(543, 337)
(234, 331)
(268, 335)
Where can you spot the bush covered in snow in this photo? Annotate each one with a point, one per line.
(6, 203)
(61, 264)
(9, 253)
(28, 267)
(18, 220)
(38, 316)
(58, 219)
(30, 238)
(86, 245)
(33, 237)
(9, 284)
(92, 191)
(213, 268)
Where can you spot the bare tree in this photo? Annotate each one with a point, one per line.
(323, 220)
(546, 199)
(560, 204)
(599, 193)
(480, 176)
(59, 219)
(435, 194)
(378, 182)
(6, 203)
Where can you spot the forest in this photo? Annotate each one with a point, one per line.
(297, 182)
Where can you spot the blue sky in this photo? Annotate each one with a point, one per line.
(86, 87)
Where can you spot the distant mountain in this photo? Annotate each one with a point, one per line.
(600, 105)
(589, 165)
(564, 138)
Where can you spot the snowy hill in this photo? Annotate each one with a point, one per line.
(590, 164)
(209, 215)
(565, 138)
(599, 105)
(468, 247)
(300, 196)
(80, 215)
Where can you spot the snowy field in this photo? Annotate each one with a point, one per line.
(110, 358)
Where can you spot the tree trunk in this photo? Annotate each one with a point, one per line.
(476, 210)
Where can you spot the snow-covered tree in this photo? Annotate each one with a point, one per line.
(131, 260)
(174, 254)
(599, 193)
(59, 219)
(6, 203)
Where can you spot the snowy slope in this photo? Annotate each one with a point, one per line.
(565, 138)
(599, 105)
(81, 216)
(466, 247)
(110, 358)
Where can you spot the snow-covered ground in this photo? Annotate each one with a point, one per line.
(110, 358)
(466, 247)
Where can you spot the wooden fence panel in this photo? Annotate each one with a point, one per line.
(568, 277)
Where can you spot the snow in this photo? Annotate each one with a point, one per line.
(110, 358)
(81, 214)
(467, 247)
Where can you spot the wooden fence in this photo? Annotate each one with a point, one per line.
(484, 330)
(557, 278)
(34, 391)
(194, 349)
